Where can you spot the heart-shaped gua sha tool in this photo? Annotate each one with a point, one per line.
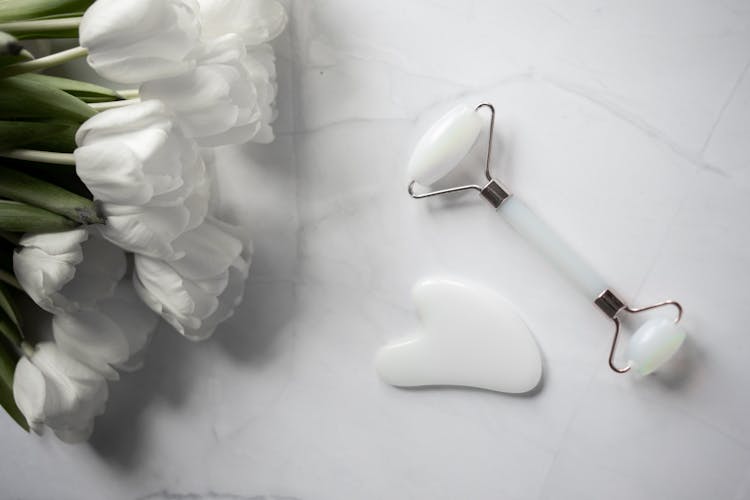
(469, 336)
(446, 143)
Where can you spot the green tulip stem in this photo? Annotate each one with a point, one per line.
(43, 62)
(26, 55)
(101, 106)
(128, 93)
(40, 25)
(40, 156)
(8, 278)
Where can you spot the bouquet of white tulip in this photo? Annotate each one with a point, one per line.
(105, 209)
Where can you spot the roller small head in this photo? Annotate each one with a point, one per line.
(444, 145)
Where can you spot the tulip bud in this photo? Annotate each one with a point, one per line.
(109, 336)
(137, 155)
(216, 102)
(151, 230)
(53, 389)
(68, 270)
(197, 292)
(140, 40)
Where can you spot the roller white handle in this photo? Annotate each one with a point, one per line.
(529, 225)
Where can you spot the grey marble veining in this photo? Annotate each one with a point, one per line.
(623, 124)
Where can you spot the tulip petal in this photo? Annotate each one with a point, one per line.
(29, 393)
(113, 173)
(45, 263)
(237, 135)
(227, 99)
(55, 390)
(102, 267)
(92, 338)
(137, 155)
(140, 40)
(256, 21)
(75, 434)
(208, 250)
(178, 298)
(116, 121)
(191, 295)
(229, 299)
(151, 230)
(137, 322)
(55, 243)
(222, 50)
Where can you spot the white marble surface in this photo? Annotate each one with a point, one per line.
(624, 124)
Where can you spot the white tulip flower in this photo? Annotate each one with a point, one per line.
(197, 292)
(217, 101)
(112, 335)
(68, 270)
(139, 40)
(256, 21)
(137, 155)
(151, 230)
(53, 389)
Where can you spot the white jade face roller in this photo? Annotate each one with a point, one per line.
(440, 150)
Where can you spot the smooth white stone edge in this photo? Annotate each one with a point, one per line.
(469, 336)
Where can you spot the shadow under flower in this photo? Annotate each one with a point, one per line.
(251, 338)
(256, 188)
(169, 374)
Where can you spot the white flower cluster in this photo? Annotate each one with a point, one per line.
(207, 60)
(207, 78)
(99, 325)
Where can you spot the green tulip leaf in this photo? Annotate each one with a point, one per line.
(85, 91)
(64, 142)
(37, 34)
(62, 27)
(22, 218)
(9, 330)
(7, 60)
(24, 188)
(47, 136)
(7, 277)
(8, 306)
(6, 266)
(72, 13)
(8, 361)
(24, 98)
(16, 10)
(18, 186)
(63, 176)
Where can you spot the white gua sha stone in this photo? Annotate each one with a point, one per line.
(446, 143)
(469, 336)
